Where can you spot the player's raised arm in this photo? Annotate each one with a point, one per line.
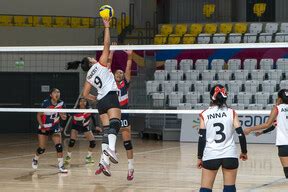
(129, 65)
(105, 54)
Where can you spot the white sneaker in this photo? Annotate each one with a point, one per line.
(112, 155)
(62, 169)
(34, 163)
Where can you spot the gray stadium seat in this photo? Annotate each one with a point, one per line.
(175, 98)
(251, 86)
(170, 64)
(250, 38)
(152, 87)
(237, 106)
(262, 98)
(192, 97)
(234, 38)
(201, 64)
(258, 74)
(192, 75)
(201, 86)
(184, 86)
(234, 64)
(176, 75)
(201, 106)
(158, 99)
(241, 75)
(266, 64)
(255, 106)
(265, 38)
(208, 75)
(219, 38)
(206, 97)
(234, 86)
(284, 84)
(269, 86)
(160, 75)
(186, 64)
(274, 74)
(250, 64)
(271, 28)
(224, 75)
(244, 98)
(282, 64)
(217, 64)
(204, 38)
(168, 86)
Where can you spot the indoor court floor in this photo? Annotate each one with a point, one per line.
(159, 166)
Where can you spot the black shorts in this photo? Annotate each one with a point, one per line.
(109, 101)
(283, 150)
(125, 121)
(81, 129)
(49, 132)
(215, 164)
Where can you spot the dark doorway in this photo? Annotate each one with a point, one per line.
(268, 16)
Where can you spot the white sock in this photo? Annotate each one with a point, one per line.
(130, 163)
(36, 157)
(104, 157)
(112, 141)
(69, 154)
(89, 154)
(60, 162)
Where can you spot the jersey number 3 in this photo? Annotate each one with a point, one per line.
(98, 82)
(220, 132)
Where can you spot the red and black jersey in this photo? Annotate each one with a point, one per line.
(123, 86)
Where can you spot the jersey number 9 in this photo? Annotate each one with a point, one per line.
(98, 82)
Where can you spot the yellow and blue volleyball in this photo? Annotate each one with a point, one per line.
(106, 11)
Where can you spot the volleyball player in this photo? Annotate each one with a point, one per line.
(123, 80)
(49, 125)
(81, 124)
(280, 114)
(216, 145)
(100, 77)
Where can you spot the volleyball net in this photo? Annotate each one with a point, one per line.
(168, 81)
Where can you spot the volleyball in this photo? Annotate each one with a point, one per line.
(106, 11)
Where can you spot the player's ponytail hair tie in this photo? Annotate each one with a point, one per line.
(218, 90)
(73, 65)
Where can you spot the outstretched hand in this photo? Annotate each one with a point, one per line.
(106, 22)
(247, 131)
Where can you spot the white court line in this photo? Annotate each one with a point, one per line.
(139, 153)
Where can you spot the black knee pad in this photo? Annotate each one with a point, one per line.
(71, 142)
(92, 144)
(105, 134)
(128, 145)
(40, 151)
(115, 125)
(286, 172)
(59, 148)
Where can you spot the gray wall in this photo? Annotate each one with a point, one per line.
(144, 11)
(281, 11)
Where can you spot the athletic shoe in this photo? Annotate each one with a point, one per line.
(130, 175)
(112, 155)
(89, 160)
(62, 169)
(99, 170)
(34, 163)
(105, 168)
(67, 160)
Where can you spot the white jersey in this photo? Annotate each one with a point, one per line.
(219, 133)
(102, 79)
(282, 125)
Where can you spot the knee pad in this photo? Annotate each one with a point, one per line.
(205, 190)
(229, 188)
(286, 172)
(128, 145)
(92, 144)
(115, 125)
(71, 142)
(105, 135)
(40, 151)
(59, 148)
